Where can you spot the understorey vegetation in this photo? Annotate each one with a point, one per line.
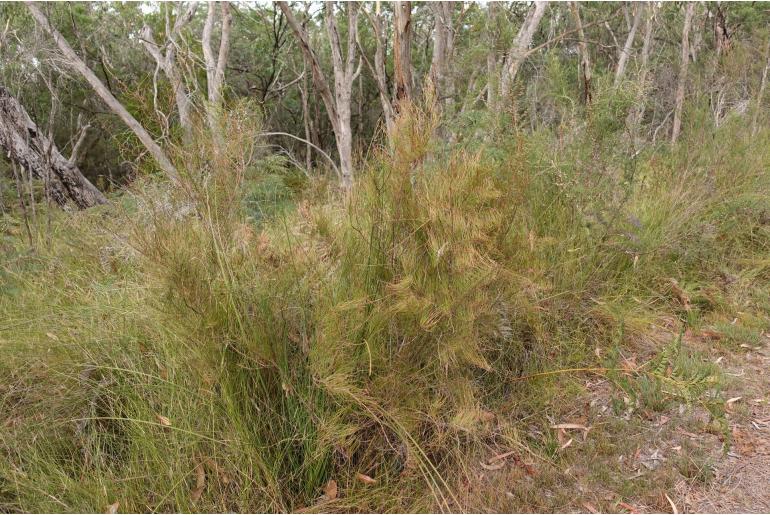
(232, 330)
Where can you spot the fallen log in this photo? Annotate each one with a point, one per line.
(30, 148)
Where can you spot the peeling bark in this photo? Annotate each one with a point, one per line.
(26, 145)
(402, 51)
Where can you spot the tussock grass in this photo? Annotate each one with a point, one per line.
(256, 334)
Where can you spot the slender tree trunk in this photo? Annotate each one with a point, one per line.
(625, 53)
(165, 57)
(216, 63)
(492, 74)
(682, 82)
(306, 119)
(721, 36)
(585, 58)
(638, 112)
(518, 50)
(761, 92)
(443, 46)
(378, 69)
(402, 52)
(26, 145)
(338, 103)
(344, 75)
(160, 157)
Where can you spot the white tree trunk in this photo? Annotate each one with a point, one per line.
(626, 52)
(761, 92)
(378, 69)
(345, 72)
(638, 111)
(104, 93)
(216, 63)
(519, 47)
(682, 82)
(165, 57)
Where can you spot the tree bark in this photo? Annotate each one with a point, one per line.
(682, 82)
(80, 66)
(402, 52)
(585, 58)
(638, 111)
(443, 47)
(492, 77)
(215, 63)
(519, 47)
(626, 51)
(761, 92)
(26, 145)
(378, 69)
(338, 103)
(165, 57)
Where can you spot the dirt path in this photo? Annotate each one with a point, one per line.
(633, 458)
(742, 478)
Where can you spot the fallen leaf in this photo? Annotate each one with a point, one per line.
(200, 483)
(733, 400)
(673, 506)
(52, 336)
(330, 490)
(112, 508)
(496, 466)
(569, 442)
(590, 507)
(163, 420)
(570, 426)
(365, 479)
(628, 507)
(501, 456)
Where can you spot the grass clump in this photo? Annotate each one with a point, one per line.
(241, 342)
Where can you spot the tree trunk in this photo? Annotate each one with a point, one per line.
(104, 93)
(378, 70)
(682, 82)
(585, 58)
(402, 52)
(443, 45)
(165, 57)
(28, 146)
(492, 80)
(761, 92)
(638, 111)
(518, 50)
(337, 104)
(344, 75)
(215, 63)
(626, 52)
